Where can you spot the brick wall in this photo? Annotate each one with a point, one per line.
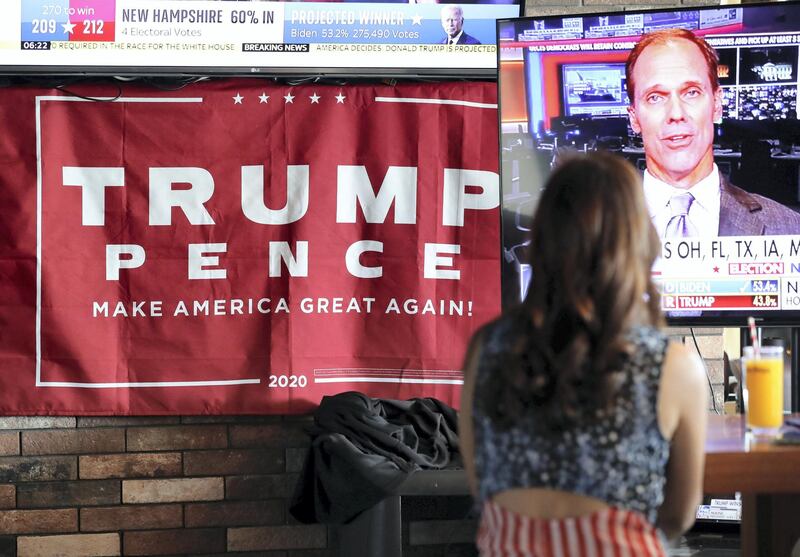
(153, 486)
(203, 485)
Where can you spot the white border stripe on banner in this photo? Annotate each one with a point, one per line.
(38, 243)
(120, 100)
(379, 375)
(333, 370)
(68, 384)
(388, 380)
(434, 101)
(220, 383)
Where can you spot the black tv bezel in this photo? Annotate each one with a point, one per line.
(247, 71)
(781, 318)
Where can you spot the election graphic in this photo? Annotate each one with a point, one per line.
(207, 36)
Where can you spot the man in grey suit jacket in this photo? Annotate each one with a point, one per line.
(674, 101)
(749, 214)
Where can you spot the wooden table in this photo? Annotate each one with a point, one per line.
(767, 475)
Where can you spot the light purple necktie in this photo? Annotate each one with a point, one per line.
(679, 225)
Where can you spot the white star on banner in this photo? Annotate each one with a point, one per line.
(237, 99)
(69, 28)
(289, 98)
(314, 98)
(263, 98)
(416, 19)
(340, 98)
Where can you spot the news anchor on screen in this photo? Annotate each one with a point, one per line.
(675, 99)
(453, 25)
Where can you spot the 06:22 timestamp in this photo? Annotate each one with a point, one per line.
(35, 45)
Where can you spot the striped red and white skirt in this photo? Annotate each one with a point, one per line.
(611, 532)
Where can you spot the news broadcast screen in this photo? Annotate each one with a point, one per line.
(134, 37)
(710, 110)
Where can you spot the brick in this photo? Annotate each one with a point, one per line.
(144, 465)
(295, 459)
(287, 434)
(718, 400)
(76, 545)
(35, 422)
(9, 443)
(306, 419)
(68, 494)
(39, 522)
(131, 517)
(171, 542)
(38, 468)
(687, 331)
(612, 4)
(711, 347)
(248, 513)
(8, 497)
(542, 11)
(8, 546)
(256, 538)
(442, 532)
(260, 487)
(716, 371)
(555, 3)
(227, 462)
(230, 419)
(69, 441)
(125, 421)
(633, 7)
(255, 554)
(175, 490)
(177, 437)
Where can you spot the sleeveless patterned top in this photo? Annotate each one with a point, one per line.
(618, 456)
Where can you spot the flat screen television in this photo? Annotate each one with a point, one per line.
(563, 87)
(214, 37)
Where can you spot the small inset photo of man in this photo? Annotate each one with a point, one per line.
(453, 25)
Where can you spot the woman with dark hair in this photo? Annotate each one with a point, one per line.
(582, 426)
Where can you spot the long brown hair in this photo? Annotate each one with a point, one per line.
(592, 250)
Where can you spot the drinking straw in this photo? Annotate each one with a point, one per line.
(751, 323)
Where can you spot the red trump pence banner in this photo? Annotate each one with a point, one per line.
(241, 247)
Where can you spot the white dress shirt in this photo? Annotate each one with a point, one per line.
(703, 213)
(454, 40)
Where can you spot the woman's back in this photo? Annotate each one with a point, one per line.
(615, 455)
(548, 522)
